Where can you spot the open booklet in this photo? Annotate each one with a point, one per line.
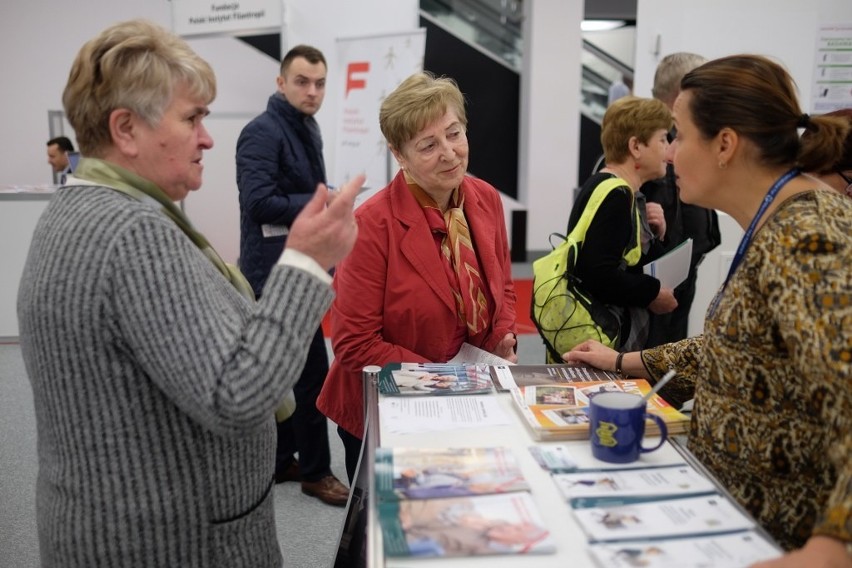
(737, 550)
(554, 399)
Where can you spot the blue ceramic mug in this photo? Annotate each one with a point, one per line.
(617, 421)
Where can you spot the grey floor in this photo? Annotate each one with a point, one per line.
(307, 529)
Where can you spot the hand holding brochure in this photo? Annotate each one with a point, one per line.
(673, 267)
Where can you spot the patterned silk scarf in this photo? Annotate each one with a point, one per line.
(459, 258)
(124, 181)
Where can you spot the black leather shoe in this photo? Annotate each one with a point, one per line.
(329, 490)
(289, 473)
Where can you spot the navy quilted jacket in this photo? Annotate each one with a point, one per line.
(278, 169)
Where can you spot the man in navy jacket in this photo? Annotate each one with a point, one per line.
(279, 164)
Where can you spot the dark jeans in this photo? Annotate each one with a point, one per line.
(306, 431)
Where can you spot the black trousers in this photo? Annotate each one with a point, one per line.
(352, 451)
(306, 432)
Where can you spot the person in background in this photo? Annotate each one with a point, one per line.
(839, 175)
(633, 136)
(682, 220)
(431, 267)
(621, 87)
(279, 164)
(772, 373)
(155, 374)
(57, 154)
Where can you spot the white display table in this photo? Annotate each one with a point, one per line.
(557, 515)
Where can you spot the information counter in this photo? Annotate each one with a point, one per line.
(571, 542)
(20, 209)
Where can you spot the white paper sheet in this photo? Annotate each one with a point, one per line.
(437, 413)
(673, 267)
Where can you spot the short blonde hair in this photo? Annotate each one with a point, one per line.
(134, 65)
(419, 100)
(628, 117)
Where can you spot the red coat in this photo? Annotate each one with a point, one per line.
(394, 303)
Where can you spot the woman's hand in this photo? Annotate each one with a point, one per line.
(592, 353)
(506, 348)
(664, 302)
(818, 552)
(656, 219)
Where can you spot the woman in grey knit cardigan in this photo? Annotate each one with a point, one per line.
(155, 374)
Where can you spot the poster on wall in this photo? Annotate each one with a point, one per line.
(371, 67)
(203, 17)
(832, 85)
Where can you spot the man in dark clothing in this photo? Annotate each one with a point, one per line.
(682, 220)
(279, 164)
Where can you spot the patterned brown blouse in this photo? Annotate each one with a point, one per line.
(773, 406)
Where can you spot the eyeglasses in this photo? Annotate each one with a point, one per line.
(848, 181)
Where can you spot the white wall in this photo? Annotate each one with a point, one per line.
(40, 38)
(549, 117)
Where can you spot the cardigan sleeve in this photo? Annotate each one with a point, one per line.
(225, 361)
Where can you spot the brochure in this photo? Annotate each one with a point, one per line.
(417, 473)
(595, 488)
(418, 379)
(668, 518)
(673, 267)
(737, 550)
(512, 376)
(506, 523)
(560, 411)
(554, 458)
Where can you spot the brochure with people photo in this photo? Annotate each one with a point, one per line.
(507, 523)
(421, 473)
(737, 550)
(419, 379)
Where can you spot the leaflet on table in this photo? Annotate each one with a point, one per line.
(594, 488)
(407, 379)
(511, 376)
(507, 523)
(427, 473)
(400, 415)
(669, 518)
(673, 267)
(554, 458)
(473, 354)
(737, 550)
(560, 412)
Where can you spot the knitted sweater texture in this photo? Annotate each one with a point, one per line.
(155, 385)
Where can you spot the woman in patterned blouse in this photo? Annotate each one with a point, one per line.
(772, 372)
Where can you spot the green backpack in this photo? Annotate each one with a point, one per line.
(565, 314)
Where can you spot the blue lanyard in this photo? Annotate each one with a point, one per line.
(749, 234)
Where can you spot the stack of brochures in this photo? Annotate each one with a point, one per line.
(656, 516)
(554, 399)
(456, 502)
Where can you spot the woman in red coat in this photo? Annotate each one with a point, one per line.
(431, 267)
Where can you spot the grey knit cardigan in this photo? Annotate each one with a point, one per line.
(155, 385)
